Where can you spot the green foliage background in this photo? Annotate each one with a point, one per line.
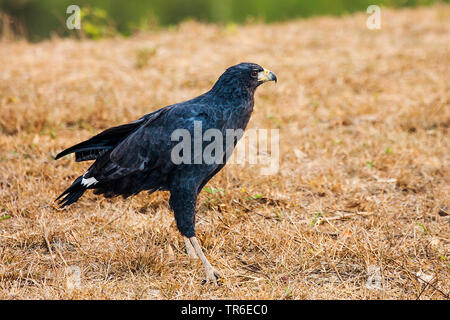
(41, 18)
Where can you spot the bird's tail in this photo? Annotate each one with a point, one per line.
(72, 194)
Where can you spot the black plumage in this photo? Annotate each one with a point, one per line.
(137, 156)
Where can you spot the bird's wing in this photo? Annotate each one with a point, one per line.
(98, 145)
(150, 146)
(144, 149)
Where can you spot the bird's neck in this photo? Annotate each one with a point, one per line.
(233, 92)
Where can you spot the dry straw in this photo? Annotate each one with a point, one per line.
(364, 171)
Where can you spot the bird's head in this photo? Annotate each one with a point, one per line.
(249, 75)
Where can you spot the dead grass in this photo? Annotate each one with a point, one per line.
(364, 131)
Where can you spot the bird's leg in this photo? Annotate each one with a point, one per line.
(211, 273)
(189, 248)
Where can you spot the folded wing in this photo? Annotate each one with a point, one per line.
(98, 145)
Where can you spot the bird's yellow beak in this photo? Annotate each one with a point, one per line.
(266, 75)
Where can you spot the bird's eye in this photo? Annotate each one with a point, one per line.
(254, 73)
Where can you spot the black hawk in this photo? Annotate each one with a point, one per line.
(139, 155)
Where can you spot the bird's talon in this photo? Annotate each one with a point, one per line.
(212, 276)
(217, 282)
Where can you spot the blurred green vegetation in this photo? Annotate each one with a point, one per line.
(39, 19)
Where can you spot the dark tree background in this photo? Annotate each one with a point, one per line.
(40, 19)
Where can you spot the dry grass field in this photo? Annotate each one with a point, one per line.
(358, 209)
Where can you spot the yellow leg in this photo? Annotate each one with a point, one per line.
(189, 248)
(211, 274)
